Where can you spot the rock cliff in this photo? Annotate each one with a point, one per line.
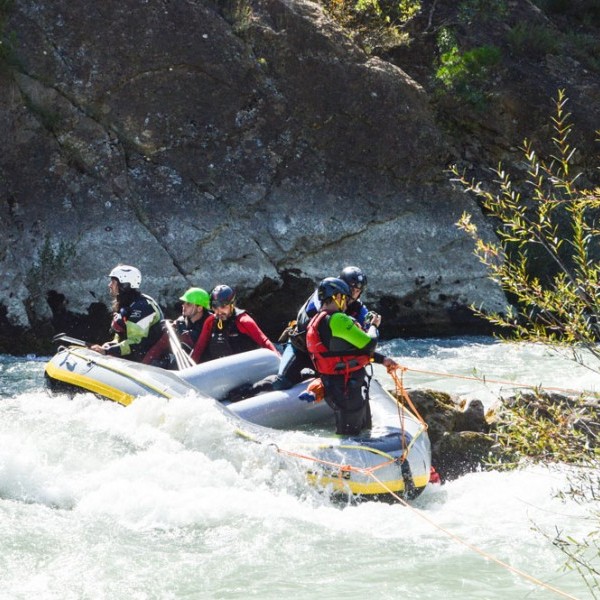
(255, 144)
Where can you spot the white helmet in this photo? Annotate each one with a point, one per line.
(127, 274)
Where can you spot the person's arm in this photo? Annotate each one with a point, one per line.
(346, 328)
(203, 339)
(161, 347)
(138, 328)
(248, 326)
(382, 359)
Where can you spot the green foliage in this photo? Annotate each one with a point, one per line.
(238, 13)
(465, 73)
(533, 40)
(377, 24)
(484, 10)
(548, 428)
(553, 220)
(582, 557)
(587, 12)
(585, 48)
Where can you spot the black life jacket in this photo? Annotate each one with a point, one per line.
(227, 339)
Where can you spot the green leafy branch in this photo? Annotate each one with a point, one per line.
(554, 221)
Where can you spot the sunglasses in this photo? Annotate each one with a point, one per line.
(220, 304)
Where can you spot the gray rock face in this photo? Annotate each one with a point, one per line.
(258, 148)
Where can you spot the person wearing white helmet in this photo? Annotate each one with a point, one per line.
(137, 317)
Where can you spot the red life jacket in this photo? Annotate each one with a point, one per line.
(326, 361)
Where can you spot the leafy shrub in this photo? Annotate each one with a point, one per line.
(485, 10)
(376, 23)
(465, 73)
(533, 40)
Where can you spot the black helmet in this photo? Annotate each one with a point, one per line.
(222, 295)
(354, 277)
(330, 286)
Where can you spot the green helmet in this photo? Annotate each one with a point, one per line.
(197, 296)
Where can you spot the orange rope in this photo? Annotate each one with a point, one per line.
(501, 382)
(475, 549)
(370, 472)
(400, 389)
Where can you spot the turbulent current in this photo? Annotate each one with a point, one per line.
(161, 500)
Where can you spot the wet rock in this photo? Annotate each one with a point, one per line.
(458, 431)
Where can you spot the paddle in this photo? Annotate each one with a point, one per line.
(63, 337)
(182, 358)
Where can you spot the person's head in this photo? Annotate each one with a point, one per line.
(222, 301)
(195, 300)
(356, 280)
(333, 290)
(124, 278)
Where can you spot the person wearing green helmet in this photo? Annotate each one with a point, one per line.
(194, 311)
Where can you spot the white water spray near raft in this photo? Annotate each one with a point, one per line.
(394, 455)
(163, 500)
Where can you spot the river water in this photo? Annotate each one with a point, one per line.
(161, 500)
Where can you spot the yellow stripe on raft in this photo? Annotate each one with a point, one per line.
(371, 488)
(342, 484)
(90, 384)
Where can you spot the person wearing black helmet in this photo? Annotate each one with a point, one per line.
(341, 350)
(229, 330)
(137, 317)
(357, 281)
(296, 361)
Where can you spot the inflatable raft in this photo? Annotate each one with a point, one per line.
(393, 456)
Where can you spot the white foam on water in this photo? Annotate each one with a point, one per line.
(162, 499)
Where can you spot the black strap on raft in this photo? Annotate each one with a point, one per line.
(410, 491)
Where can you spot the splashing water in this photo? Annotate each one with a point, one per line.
(163, 500)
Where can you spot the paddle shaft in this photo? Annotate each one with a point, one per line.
(182, 359)
(63, 337)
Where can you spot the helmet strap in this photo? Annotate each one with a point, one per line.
(339, 303)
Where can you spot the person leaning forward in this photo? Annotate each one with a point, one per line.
(137, 317)
(340, 351)
(229, 330)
